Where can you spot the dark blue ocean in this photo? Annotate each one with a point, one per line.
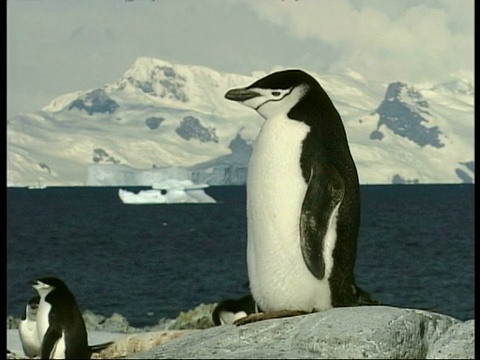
(416, 249)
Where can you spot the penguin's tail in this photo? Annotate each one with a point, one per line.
(99, 347)
(364, 298)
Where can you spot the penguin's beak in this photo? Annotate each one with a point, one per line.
(240, 95)
(35, 284)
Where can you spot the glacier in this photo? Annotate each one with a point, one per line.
(162, 120)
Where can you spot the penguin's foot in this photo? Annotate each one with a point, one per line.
(270, 315)
(99, 347)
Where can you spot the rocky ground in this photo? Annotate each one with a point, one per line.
(355, 332)
(127, 339)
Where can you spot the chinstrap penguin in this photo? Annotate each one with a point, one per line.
(303, 199)
(27, 328)
(229, 311)
(60, 326)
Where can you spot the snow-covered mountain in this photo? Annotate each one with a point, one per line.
(163, 120)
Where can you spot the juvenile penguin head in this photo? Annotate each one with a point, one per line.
(228, 311)
(274, 94)
(31, 308)
(45, 285)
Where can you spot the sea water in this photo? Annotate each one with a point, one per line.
(146, 262)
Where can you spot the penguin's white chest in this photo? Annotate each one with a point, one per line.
(28, 336)
(42, 318)
(58, 351)
(279, 278)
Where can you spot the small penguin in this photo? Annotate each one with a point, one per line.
(27, 328)
(303, 200)
(60, 325)
(229, 311)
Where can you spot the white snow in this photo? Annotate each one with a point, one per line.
(65, 140)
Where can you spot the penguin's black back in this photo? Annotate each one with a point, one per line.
(66, 315)
(326, 147)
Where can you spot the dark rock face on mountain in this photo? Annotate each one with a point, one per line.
(405, 112)
(44, 167)
(397, 179)
(190, 127)
(96, 101)
(229, 169)
(163, 82)
(154, 122)
(470, 165)
(102, 156)
(240, 146)
(462, 174)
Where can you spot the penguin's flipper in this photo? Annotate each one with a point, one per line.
(50, 340)
(325, 192)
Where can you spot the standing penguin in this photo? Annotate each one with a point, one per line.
(60, 326)
(303, 199)
(27, 328)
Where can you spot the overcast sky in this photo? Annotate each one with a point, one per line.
(60, 46)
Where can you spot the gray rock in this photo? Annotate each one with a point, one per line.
(115, 323)
(134, 343)
(228, 169)
(457, 343)
(154, 122)
(198, 318)
(355, 332)
(96, 101)
(100, 155)
(464, 176)
(190, 127)
(404, 111)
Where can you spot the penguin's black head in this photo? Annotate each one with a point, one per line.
(31, 308)
(34, 301)
(47, 284)
(275, 93)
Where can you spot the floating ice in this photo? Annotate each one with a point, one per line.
(168, 192)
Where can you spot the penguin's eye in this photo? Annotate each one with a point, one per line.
(276, 93)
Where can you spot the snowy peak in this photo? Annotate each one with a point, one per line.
(160, 84)
(407, 95)
(179, 86)
(160, 116)
(155, 78)
(405, 112)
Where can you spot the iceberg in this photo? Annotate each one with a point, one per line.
(36, 187)
(168, 192)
